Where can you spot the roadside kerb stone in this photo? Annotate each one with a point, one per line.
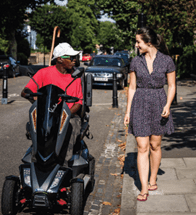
(108, 181)
(128, 199)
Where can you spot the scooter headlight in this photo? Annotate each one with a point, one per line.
(34, 118)
(26, 175)
(57, 179)
(63, 119)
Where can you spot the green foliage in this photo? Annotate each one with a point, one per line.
(175, 20)
(110, 36)
(187, 61)
(77, 22)
(3, 45)
(22, 58)
(13, 17)
(125, 15)
(23, 47)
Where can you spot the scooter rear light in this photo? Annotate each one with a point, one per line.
(34, 118)
(63, 119)
(22, 201)
(61, 202)
(63, 189)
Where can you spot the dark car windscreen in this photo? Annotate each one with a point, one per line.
(104, 61)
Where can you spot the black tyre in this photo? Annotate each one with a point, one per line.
(92, 172)
(77, 195)
(122, 85)
(125, 81)
(8, 198)
(10, 73)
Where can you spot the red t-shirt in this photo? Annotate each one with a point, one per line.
(51, 75)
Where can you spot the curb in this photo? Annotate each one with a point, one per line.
(128, 197)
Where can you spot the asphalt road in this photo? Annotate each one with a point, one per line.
(14, 115)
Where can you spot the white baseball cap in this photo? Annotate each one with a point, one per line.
(64, 49)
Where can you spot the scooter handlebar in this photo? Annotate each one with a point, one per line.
(27, 95)
(68, 99)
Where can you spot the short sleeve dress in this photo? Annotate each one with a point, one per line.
(150, 97)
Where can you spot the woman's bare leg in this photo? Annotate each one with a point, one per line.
(155, 158)
(143, 163)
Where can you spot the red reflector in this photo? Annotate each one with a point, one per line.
(63, 189)
(22, 201)
(6, 66)
(62, 202)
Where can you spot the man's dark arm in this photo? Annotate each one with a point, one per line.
(24, 93)
(75, 108)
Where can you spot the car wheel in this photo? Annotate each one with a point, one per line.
(122, 85)
(10, 73)
(125, 81)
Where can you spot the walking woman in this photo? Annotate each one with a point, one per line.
(148, 107)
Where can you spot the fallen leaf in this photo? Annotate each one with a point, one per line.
(116, 174)
(107, 203)
(122, 176)
(116, 211)
(119, 196)
(120, 141)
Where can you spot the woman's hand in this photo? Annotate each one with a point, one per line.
(166, 112)
(126, 119)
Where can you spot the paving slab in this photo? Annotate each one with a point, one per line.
(165, 203)
(167, 213)
(167, 174)
(186, 173)
(184, 186)
(172, 163)
(191, 201)
(190, 162)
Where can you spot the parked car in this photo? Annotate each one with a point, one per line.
(86, 57)
(12, 65)
(125, 58)
(102, 68)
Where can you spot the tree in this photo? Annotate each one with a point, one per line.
(77, 22)
(174, 19)
(84, 25)
(125, 15)
(110, 36)
(13, 15)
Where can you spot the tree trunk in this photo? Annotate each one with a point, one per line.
(13, 45)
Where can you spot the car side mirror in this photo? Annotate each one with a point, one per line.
(78, 72)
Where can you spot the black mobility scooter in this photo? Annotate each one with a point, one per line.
(44, 183)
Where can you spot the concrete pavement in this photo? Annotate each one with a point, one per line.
(176, 193)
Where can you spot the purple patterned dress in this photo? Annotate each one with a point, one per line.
(150, 97)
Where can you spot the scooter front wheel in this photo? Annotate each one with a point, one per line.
(8, 198)
(77, 195)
